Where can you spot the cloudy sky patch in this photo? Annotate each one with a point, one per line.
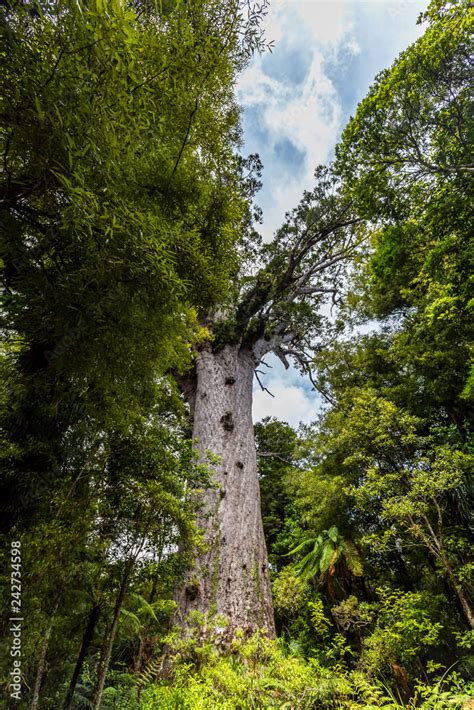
(293, 399)
(296, 102)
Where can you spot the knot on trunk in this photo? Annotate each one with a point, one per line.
(192, 589)
(227, 421)
(239, 464)
(230, 380)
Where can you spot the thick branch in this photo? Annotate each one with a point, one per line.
(291, 284)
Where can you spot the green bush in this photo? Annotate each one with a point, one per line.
(260, 673)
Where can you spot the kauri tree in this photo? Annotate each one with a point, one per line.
(275, 310)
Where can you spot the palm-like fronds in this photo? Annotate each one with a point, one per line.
(328, 549)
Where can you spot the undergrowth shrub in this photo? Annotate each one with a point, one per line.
(261, 673)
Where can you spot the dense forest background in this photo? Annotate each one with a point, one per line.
(127, 217)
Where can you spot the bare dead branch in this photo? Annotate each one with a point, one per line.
(264, 389)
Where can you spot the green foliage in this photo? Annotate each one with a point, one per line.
(277, 461)
(404, 630)
(352, 614)
(319, 621)
(329, 549)
(83, 548)
(106, 191)
(405, 161)
(387, 466)
(291, 593)
(411, 133)
(259, 673)
(123, 200)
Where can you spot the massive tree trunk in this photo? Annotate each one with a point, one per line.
(231, 576)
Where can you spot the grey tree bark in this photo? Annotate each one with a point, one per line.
(231, 576)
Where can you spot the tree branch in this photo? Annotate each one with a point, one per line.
(188, 130)
(273, 454)
(305, 363)
(264, 389)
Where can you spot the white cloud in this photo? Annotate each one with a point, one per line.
(293, 400)
(354, 47)
(308, 114)
(329, 21)
(309, 36)
(290, 404)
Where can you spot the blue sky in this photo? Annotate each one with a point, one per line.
(296, 101)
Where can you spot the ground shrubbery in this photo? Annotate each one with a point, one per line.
(260, 673)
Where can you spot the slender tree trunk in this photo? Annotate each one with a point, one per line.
(145, 641)
(231, 577)
(463, 603)
(86, 641)
(138, 660)
(42, 658)
(466, 608)
(109, 641)
(436, 546)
